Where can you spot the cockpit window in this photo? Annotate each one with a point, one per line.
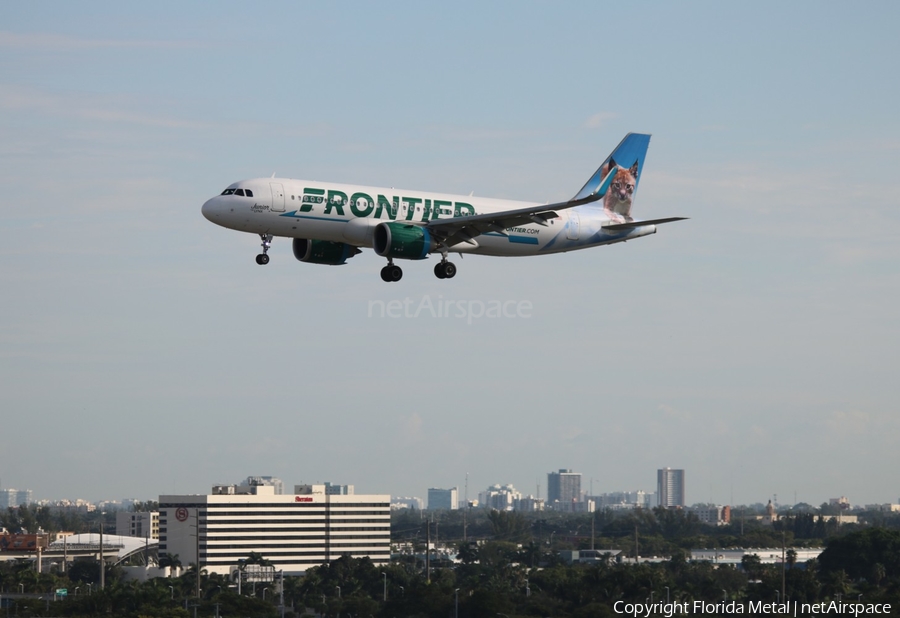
(246, 192)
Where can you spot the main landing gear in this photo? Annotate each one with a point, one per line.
(445, 269)
(263, 258)
(442, 270)
(391, 273)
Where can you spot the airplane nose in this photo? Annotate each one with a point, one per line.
(209, 209)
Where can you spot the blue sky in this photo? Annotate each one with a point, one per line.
(142, 351)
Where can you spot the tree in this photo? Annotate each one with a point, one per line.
(855, 553)
(791, 558)
(752, 565)
(170, 560)
(878, 573)
(509, 526)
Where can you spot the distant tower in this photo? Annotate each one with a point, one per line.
(563, 487)
(670, 487)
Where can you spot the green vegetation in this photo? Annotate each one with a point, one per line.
(510, 565)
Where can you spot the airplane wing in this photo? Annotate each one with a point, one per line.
(464, 229)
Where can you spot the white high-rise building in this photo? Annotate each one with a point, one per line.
(15, 497)
(670, 487)
(499, 497)
(295, 532)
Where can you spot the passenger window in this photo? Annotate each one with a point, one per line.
(249, 193)
(239, 192)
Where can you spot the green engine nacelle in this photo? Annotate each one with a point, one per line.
(401, 240)
(323, 251)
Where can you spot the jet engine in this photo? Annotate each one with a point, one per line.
(402, 240)
(323, 251)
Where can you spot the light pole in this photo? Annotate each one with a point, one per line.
(171, 593)
(264, 593)
(527, 588)
(77, 588)
(102, 570)
(402, 591)
(456, 603)
(667, 595)
(384, 575)
(338, 588)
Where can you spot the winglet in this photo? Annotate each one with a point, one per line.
(630, 151)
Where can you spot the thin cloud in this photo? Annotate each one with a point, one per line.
(599, 120)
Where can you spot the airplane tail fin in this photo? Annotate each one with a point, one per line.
(617, 190)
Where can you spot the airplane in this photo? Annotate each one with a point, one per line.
(330, 223)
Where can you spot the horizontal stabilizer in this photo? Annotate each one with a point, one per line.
(634, 224)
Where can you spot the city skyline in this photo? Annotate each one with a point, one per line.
(144, 352)
(786, 500)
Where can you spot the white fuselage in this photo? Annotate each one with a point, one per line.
(349, 214)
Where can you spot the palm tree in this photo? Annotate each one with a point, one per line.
(170, 560)
(791, 558)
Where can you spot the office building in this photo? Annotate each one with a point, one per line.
(563, 488)
(670, 487)
(499, 497)
(295, 532)
(275, 482)
(443, 499)
(12, 498)
(142, 524)
(623, 500)
(529, 504)
(339, 490)
(405, 502)
(713, 515)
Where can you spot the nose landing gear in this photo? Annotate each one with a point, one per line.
(263, 258)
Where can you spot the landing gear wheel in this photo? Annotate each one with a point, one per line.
(262, 259)
(445, 270)
(391, 273)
